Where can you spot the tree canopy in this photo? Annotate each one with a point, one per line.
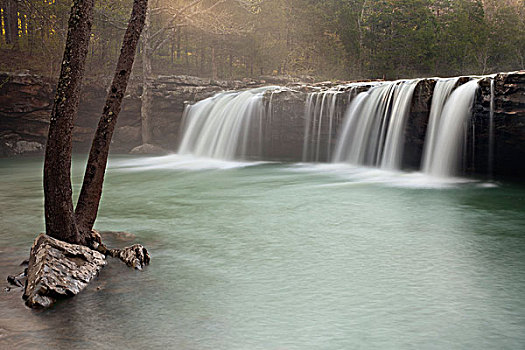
(330, 39)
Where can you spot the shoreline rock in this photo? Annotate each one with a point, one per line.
(58, 269)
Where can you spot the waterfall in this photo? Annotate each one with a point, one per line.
(441, 93)
(374, 124)
(451, 133)
(491, 129)
(226, 126)
(320, 112)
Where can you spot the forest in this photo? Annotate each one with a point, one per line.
(232, 39)
(305, 174)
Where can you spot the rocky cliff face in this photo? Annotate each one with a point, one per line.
(508, 125)
(26, 101)
(25, 105)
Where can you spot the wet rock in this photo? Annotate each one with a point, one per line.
(508, 128)
(416, 127)
(135, 256)
(58, 269)
(283, 137)
(17, 280)
(148, 149)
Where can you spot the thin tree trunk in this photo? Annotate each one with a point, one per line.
(178, 43)
(172, 52)
(186, 55)
(360, 19)
(145, 110)
(89, 199)
(213, 64)
(11, 21)
(203, 59)
(230, 62)
(60, 218)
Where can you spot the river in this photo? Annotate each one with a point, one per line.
(279, 256)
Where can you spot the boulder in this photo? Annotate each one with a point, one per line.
(58, 269)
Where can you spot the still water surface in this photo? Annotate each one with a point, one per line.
(280, 256)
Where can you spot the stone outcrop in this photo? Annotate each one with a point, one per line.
(58, 269)
(283, 137)
(416, 128)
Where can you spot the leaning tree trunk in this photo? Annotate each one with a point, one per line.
(88, 202)
(145, 110)
(59, 214)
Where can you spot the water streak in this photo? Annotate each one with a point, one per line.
(373, 130)
(451, 133)
(226, 126)
(322, 116)
(441, 93)
(491, 129)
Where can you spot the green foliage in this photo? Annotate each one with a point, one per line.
(328, 39)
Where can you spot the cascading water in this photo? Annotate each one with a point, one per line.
(491, 129)
(233, 125)
(373, 129)
(441, 93)
(226, 126)
(319, 107)
(451, 133)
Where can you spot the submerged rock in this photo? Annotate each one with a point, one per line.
(135, 256)
(148, 149)
(58, 269)
(17, 280)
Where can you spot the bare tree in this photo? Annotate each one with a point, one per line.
(89, 199)
(59, 214)
(61, 221)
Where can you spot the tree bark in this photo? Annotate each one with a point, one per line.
(59, 215)
(11, 22)
(89, 199)
(178, 43)
(213, 64)
(145, 110)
